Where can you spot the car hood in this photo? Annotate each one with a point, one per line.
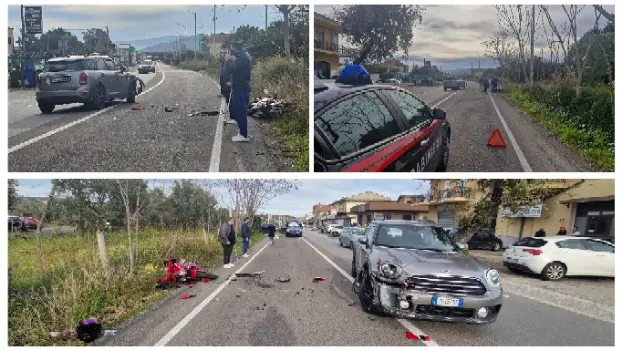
(420, 262)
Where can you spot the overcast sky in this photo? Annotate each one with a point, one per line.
(299, 202)
(145, 22)
(452, 35)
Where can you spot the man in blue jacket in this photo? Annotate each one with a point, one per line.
(246, 236)
(241, 92)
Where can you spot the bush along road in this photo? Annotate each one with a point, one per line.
(289, 306)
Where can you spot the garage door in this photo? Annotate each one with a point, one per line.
(447, 215)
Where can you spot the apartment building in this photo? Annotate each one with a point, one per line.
(11, 42)
(326, 46)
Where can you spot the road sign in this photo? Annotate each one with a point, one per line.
(201, 41)
(534, 211)
(496, 140)
(132, 48)
(33, 19)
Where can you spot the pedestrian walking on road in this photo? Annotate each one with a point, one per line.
(225, 85)
(241, 92)
(226, 237)
(246, 236)
(540, 233)
(495, 84)
(562, 231)
(271, 232)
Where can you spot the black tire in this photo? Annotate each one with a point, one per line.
(554, 271)
(364, 294)
(205, 274)
(351, 245)
(98, 101)
(131, 94)
(46, 108)
(496, 247)
(442, 167)
(353, 269)
(340, 243)
(514, 270)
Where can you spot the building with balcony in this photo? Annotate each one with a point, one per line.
(326, 46)
(450, 200)
(370, 211)
(342, 210)
(11, 42)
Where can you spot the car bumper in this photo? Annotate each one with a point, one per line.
(420, 306)
(293, 234)
(60, 97)
(529, 265)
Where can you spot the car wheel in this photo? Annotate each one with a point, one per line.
(496, 247)
(366, 293)
(553, 272)
(353, 270)
(445, 163)
(46, 108)
(99, 98)
(340, 243)
(131, 94)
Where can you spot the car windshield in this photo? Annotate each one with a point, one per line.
(357, 231)
(66, 65)
(414, 237)
(147, 62)
(293, 225)
(530, 242)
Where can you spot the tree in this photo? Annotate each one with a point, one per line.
(379, 31)
(515, 19)
(96, 40)
(130, 191)
(499, 48)
(12, 192)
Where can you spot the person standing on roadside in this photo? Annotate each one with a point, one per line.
(246, 236)
(562, 231)
(540, 233)
(241, 92)
(226, 237)
(271, 231)
(576, 232)
(225, 84)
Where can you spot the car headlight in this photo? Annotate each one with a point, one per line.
(390, 271)
(493, 278)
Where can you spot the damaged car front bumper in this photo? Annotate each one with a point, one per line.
(408, 301)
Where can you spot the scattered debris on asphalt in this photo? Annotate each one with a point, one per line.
(269, 106)
(352, 304)
(411, 336)
(207, 113)
(138, 108)
(188, 296)
(318, 279)
(169, 109)
(284, 279)
(242, 290)
(425, 337)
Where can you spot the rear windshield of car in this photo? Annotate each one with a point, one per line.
(68, 65)
(357, 231)
(148, 63)
(531, 242)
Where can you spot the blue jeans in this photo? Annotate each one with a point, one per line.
(245, 243)
(239, 110)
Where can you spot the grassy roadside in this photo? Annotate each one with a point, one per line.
(572, 127)
(74, 286)
(288, 81)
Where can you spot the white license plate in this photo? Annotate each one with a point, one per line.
(59, 80)
(512, 261)
(443, 301)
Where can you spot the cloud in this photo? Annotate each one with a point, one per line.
(298, 202)
(453, 35)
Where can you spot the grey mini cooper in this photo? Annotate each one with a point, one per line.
(412, 270)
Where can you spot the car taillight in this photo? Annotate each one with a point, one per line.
(83, 78)
(533, 251)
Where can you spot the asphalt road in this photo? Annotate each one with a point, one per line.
(300, 312)
(474, 115)
(120, 139)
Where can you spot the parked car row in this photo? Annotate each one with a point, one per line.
(22, 223)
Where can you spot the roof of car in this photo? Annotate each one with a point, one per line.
(329, 90)
(562, 238)
(404, 222)
(71, 58)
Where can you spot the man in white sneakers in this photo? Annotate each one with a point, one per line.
(246, 237)
(226, 237)
(241, 91)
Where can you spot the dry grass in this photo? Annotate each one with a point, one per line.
(73, 286)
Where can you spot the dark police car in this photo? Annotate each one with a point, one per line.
(363, 127)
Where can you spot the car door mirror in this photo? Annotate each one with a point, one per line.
(438, 113)
(462, 246)
(363, 241)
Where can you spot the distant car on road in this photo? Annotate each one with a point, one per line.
(29, 222)
(92, 80)
(554, 258)
(15, 223)
(454, 84)
(377, 128)
(412, 270)
(146, 66)
(293, 230)
(485, 240)
(349, 235)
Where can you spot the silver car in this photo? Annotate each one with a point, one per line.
(454, 84)
(92, 80)
(146, 66)
(349, 235)
(412, 270)
(335, 230)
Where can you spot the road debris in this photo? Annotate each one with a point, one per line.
(411, 336)
(138, 108)
(318, 279)
(269, 106)
(188, 296)
(169, 109)
(89, 330)
(242, 290)
(284, 279)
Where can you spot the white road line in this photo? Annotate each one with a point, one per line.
(183, 323)
(75, 122)
(405, 323)
(445, 99)
(519, 152)
(214, 162)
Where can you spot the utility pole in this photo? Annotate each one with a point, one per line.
(266, 17)
(214, 19)
(533, 31)
(195, 36)
(23, 75)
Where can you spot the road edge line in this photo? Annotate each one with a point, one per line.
(214, 162)
(405, 323)
(75, 122)
(184, 322)
(517, 150)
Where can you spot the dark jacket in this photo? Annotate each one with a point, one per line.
(271, 230)
(494, 80)
(223, 233)
(246, 231)
(225, 77)
(540, 233)
(562, 233)
(232, 235)
(241, 72)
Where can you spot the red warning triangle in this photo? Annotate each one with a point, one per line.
(496, 140)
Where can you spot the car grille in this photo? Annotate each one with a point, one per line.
(444, 311)
(454, 285)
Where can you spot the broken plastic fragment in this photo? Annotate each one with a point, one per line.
(284, 279)
(110, 332)
(188, 296)
(425, 337)
(318, 279)
(138, 108)
(411, 336)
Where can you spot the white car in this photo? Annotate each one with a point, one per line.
(556, 257)
(336, 230)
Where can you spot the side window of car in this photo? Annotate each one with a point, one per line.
(575, 244)
(357, 122)
(110, 65)
(414, 110)
(600, 246)
(100, 65)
